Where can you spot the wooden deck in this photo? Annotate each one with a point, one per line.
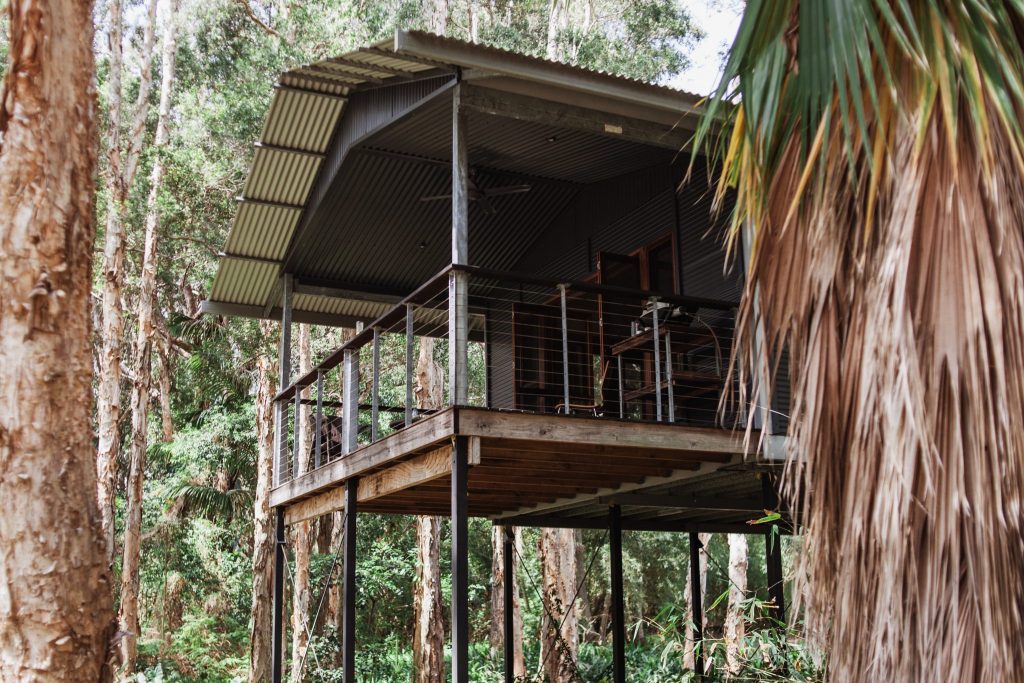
(521, 465)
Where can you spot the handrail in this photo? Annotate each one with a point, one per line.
(440, 281)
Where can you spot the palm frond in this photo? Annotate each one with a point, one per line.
(876, 153)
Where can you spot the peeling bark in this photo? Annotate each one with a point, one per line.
(734, 624)
(55, 598)
(428, 643)
(302, 533)
(119, 179)
(559, 642)
(263, 524)
(498, 578)
(128, 615)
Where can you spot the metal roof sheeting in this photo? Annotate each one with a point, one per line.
(307, 110)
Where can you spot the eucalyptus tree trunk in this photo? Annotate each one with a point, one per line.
(558, 19)
(559, 642)
(119, 179)
(428, 644)
(688, 643)
(437, 16)
(263, 524)
(734, 621)
(302, 532)
(498, 579)
(164, 390)
(55, 599)
(128, 615)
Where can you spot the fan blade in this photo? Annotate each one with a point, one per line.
(507, 189)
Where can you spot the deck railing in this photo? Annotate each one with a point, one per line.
(529, 343)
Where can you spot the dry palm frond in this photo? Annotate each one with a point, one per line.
(877, 155)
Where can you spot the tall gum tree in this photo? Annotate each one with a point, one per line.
(128, 615)
(55, 599)
(119, 178)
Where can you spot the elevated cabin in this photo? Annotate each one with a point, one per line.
(527, 221)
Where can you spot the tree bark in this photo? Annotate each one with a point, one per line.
(437, 16)
(128, 615)
(498, 579)
(55, 598)
(558, 19)
(164, 385)
(559, 633)
(263, 524)
(119, 179)
(688, 642)
(302, 533)
(428, 644)
(734, 621)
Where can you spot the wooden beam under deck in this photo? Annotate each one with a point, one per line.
(518, 462)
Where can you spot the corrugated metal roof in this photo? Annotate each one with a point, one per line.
(305, 114)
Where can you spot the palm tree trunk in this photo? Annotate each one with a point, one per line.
(263, 525)
(119, 178)
(55, 614)
(428, 644)
(128, 615)
(559, 633)
(302, 533)
(734, 619)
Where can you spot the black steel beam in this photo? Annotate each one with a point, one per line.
(618, 606)
(460, 561)
(509, 593)
(277, 644)
(349, 601)
(696, 608)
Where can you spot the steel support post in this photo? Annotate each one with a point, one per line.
(375, 388)
(284, 369)
(657, 359)
(350, 402)
(409, 362)
(618, 606)
(509, 611)
(668, 377)
(460, 561)
(277, 644)
(565, 350)
(696, 608)
(773, 553)
(348, 618)
(319, 425)
(458, 293)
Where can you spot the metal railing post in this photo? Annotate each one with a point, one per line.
(458, 338)
(319, 426)
(350, 403)
(622, 391)
(375, 387)
(657, 358)
(565, 351)
(296, 446)
(668, 376)
(409, 338)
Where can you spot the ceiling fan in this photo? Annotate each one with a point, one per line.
(482, 195)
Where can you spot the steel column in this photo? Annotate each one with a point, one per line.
(773, 553)
(375, 388)
(348, 623)
(409, 340)
(277, 644)
(460, 561)
(509, 592)
(284, 373)
(618, 606)
(668, 377)
(565, 350)
(696, 608)
(622, 397)
(319, 426)
(458, 294)
(350, 403)
(657, 359)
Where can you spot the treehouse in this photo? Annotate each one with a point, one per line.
(525, 223)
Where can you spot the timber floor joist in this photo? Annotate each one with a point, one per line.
(543, 467)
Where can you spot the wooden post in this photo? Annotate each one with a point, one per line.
(460, 561)
(696, 608)
(509, 592)
(348, 618)
(277, 628)
(350, 402)
(458, 294)
(618, 605)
